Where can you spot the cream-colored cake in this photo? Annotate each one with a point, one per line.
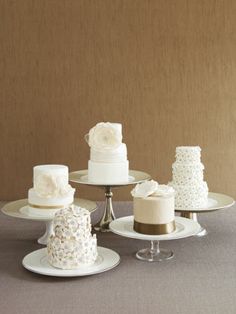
(154, 208)
(72, 246)
(108, 162)
(51, 191)
(187, 178)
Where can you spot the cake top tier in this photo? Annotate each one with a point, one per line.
(72, 222)
(105, 136)
(188, 154)
(152, 188)
(51, 181)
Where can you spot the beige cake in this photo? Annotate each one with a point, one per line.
(154, 208)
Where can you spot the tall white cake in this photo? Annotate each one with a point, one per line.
(108, 162)
(72, 245)
(51, 191)
(187, 178)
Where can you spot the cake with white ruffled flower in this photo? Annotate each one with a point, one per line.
(188, 179)
(51, 190)
(154, 208)
(108, 162)
(72, 245)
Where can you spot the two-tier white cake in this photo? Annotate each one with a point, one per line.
(72, 245)
(108, 162)
(154, 208)
(51, 191)
(187, 178)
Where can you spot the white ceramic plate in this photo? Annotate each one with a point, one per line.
(184, 228)
(36, 262)
(19, 209)
(135, 177)
(215, 201)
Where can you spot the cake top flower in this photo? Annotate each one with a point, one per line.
(104, 136)
(152, 188)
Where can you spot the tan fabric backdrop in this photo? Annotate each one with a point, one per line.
(165, 69)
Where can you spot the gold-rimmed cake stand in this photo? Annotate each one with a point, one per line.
(81, 177)
(216, 201)
(18, 209)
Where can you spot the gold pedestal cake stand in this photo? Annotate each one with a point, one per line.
(81, 177)
(216, 201)
(18, 209)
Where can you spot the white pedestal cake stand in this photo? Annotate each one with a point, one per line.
(215, 202)
(19, 209)
(81, 177)
(184, 228)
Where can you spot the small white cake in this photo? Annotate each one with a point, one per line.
(108, 162)
(51, 191)
(187, 178)
(154, 208)
(72, 245)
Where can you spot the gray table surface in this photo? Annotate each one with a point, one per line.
(200, 279)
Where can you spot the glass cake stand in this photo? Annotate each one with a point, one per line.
(216, 201)
(184, 228)
(19, 209)
(81, 177)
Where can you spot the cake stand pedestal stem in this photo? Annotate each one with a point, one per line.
(154, 253)
(49, 230)
(108, 215)
(203, 232)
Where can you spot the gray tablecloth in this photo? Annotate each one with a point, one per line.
(200, 279)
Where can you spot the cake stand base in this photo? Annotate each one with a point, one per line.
(108, 215)
(49, 230)
(203, 232)
(154, 253)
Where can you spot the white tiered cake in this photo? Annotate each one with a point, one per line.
(51, 191)
(187, 178)
(108, 162)
(72, 245)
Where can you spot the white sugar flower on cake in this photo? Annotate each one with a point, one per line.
(152, 188)
(145, 189)
(49, 186)
(104, 136)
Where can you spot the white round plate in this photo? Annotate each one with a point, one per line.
(37, 263)
(19, 209)
(215, 201)
(184, 228)
(134, 178)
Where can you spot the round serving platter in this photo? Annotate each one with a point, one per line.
(184, 228)
(135, 177)
(36, 262)
(215, 201)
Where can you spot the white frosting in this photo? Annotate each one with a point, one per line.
(187, 178)
(107, 172)
(105, 136)
(108, 162)
(154, 209)
(51, 188)
(72, 245)
(117, 155)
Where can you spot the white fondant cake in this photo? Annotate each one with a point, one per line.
(154, 208)
(51, 191)
(187, 178)
(108, 162)
(72, 245)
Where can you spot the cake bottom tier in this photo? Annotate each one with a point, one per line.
(47, 206)
(71, 254)
(188, 196)
(108, 173)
